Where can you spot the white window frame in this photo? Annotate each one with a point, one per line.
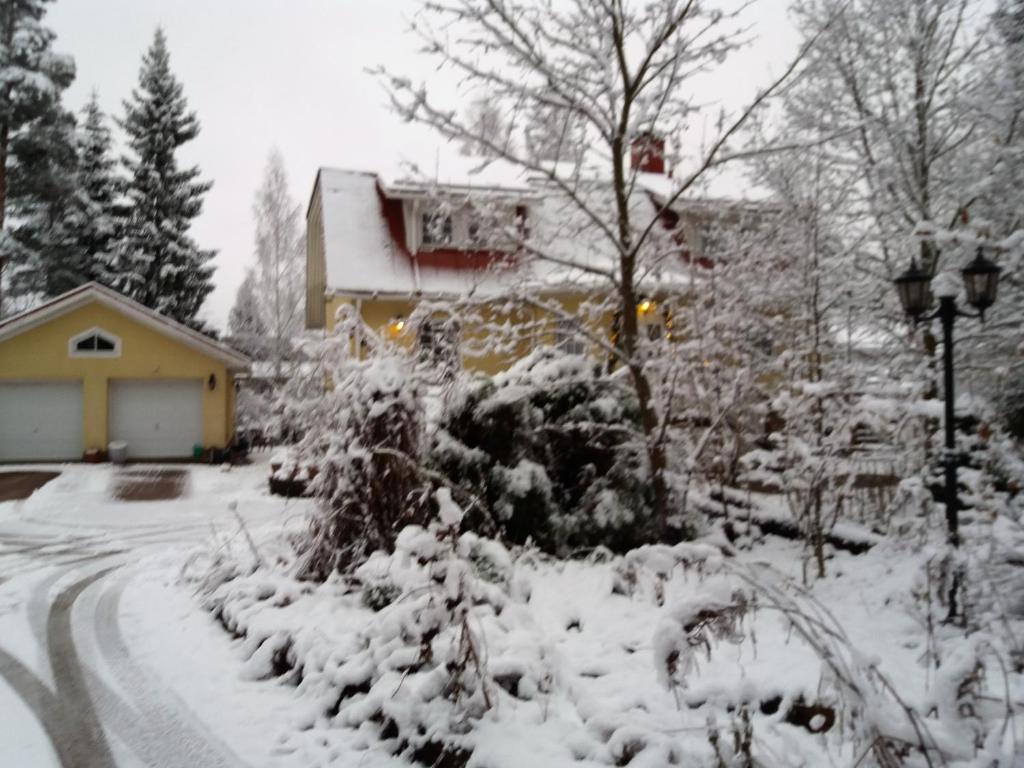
(437, 340)
(493, 224)
(569, 337)
(447, 238)
(74, 341)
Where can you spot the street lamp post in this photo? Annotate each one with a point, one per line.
(981, 280)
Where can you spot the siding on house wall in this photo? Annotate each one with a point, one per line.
(378, 313)
(316, 270)
(41, 353)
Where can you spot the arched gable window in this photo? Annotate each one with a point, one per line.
(94, 343)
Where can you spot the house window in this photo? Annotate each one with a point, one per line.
(651, 320)
(94, 343)
(486, 230)
(568, 338)
(437, 229)
(438, 341)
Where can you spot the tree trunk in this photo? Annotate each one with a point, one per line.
(628, 341)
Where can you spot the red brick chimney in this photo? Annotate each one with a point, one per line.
(647, 153)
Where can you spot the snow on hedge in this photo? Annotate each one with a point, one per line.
(454, 651)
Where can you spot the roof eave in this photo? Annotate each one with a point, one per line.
(83, 294)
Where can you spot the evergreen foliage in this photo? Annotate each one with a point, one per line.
(554, 450)
(37, 157)
(160, 265)
(99, 206)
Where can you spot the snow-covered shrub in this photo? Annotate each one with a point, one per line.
(553, 452)
(1011, 406)
(367, 445)
(693, 626)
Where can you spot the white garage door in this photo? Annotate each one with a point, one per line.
(158, 419)
(40, 421)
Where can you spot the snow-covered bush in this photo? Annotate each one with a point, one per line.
(553, 452)
(407, 666)
(257, 416)
(367, 446)
(1011, 406)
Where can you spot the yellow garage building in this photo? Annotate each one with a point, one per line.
(92, 367)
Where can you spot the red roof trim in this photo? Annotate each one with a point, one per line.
(461, 260)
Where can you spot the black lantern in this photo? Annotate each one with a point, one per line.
(981, 280)
(915, 290)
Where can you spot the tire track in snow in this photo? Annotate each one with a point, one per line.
(80, 720)
(41, 701)
(177, 741)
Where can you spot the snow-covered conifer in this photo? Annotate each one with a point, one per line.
(36, 150)
(99, 209)
(160, 264)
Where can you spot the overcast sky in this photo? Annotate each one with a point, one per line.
(291, 74)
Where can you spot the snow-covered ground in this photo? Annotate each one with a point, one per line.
(77, 688)
(108, 655)
(573, 650)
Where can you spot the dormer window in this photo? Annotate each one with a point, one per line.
(437, 229)
(94, 343)
(462, 225)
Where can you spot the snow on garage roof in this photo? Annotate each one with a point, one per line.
(84, 294)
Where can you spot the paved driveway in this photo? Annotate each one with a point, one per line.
(71, 693)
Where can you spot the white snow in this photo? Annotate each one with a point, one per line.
(588, 661)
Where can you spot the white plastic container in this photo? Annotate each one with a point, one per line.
(118, 452)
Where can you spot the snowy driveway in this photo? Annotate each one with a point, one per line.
(71, 691)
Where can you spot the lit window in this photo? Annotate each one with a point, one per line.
(94, 343)
(651, 319)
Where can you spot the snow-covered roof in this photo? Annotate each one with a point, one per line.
(455, 172)
(362, 254)
(94, 292)
(365, 250)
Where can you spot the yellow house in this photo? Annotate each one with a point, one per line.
(381, 244)
(92, 367)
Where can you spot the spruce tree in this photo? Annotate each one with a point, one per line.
(98, 211)
(160, 265)
(36, 146)
(42, 226)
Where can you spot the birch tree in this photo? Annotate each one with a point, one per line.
(892, 83)
(919, 105)
(278, 279)
(620, 69)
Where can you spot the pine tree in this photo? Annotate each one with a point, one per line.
(98, 220)
(36, 154)
(42, 223)
(160, 264)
